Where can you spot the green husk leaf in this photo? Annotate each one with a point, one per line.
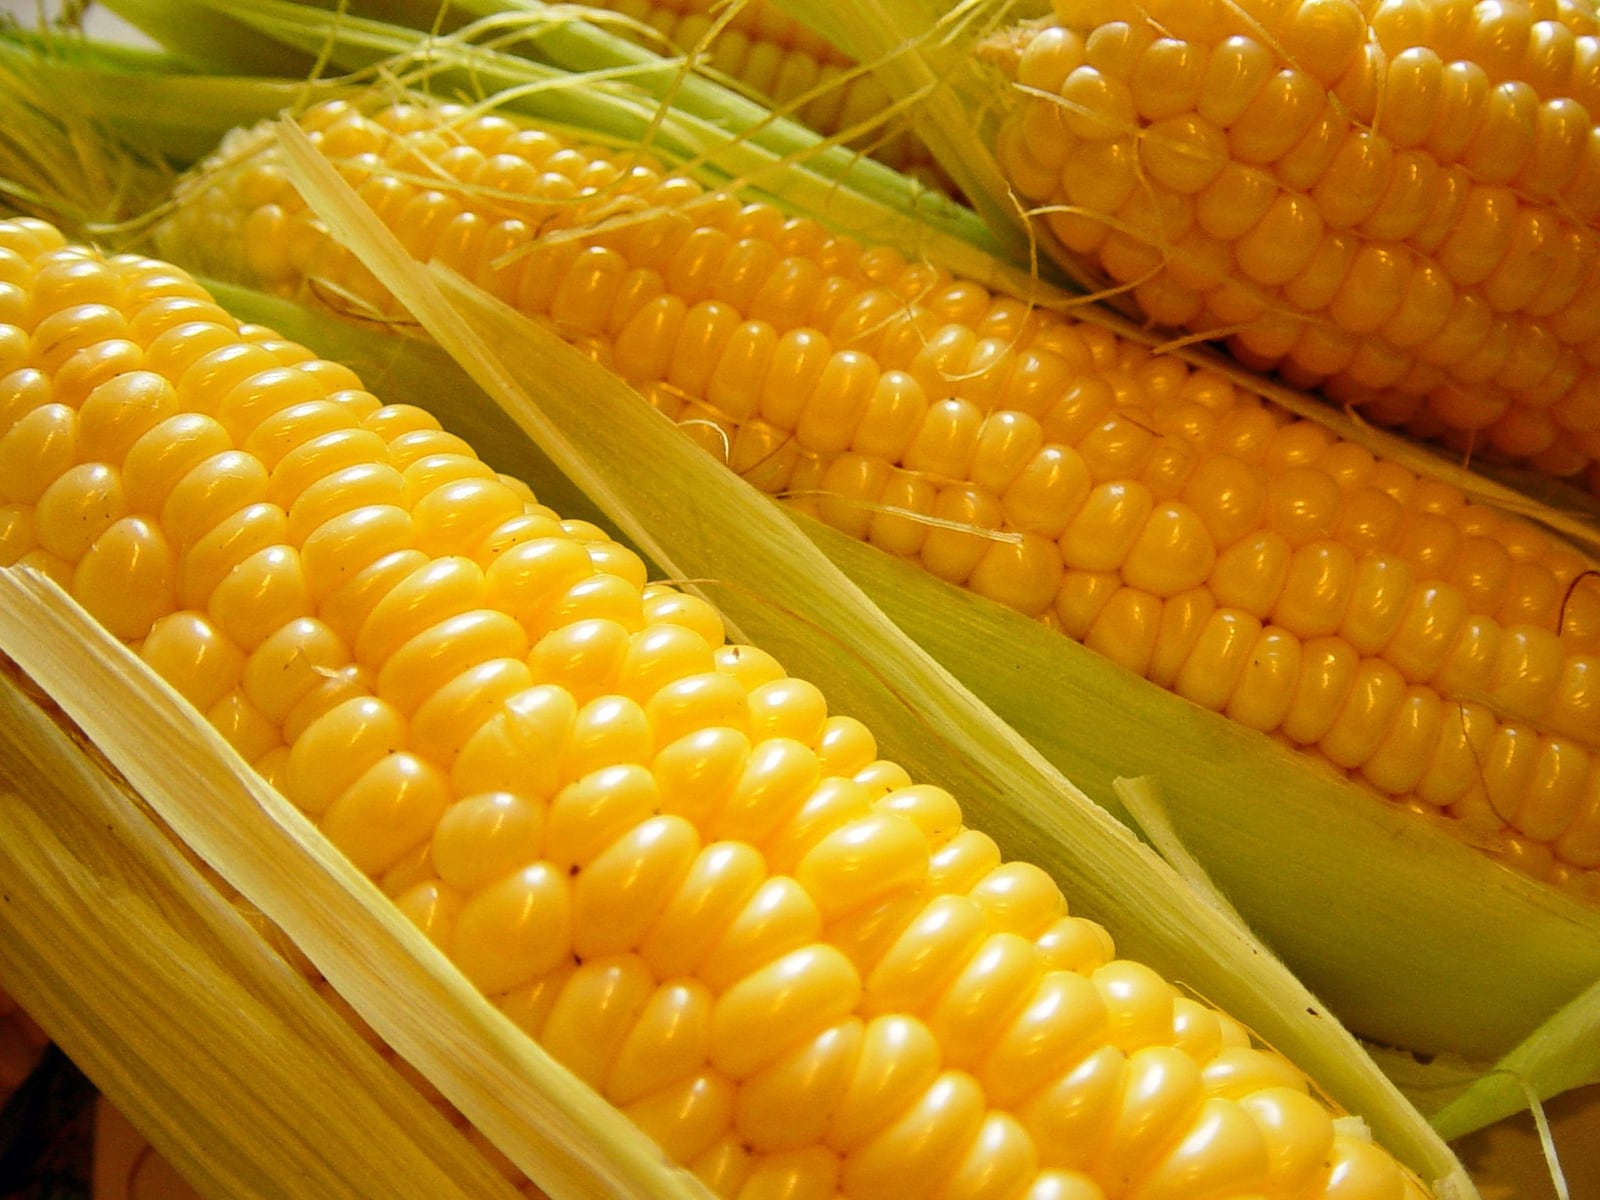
(700, 523)
(560, 1132)
(74, 42)
(1143, 809)
(1563, 1053)
(91, 144)
(208, 38)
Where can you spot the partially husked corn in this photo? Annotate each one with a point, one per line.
(1394, 200)
(790, 68)
(788, 962)
(1436, 649)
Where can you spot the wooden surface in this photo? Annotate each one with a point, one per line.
(126, 1168)
(1507, 1162)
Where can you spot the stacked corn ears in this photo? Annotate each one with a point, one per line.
(548, 764)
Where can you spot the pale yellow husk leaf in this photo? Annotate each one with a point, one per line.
(179, 1010)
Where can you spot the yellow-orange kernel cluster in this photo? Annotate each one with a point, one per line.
(1393, 200)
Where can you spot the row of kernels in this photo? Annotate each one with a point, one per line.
(1259, 674)
(1472, 546)
(1367, 511)
(1510, 40)
(1321, 589)
(1292, 547)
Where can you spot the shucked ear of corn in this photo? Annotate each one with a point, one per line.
(655, 851)
(1392, 201)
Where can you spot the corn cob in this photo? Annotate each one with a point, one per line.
(1394, 201)
(1437, 650)
(663, 857)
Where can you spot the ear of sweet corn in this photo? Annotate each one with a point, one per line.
(548, 60)
(755, 46)
(658, 854)
(1435, 649)
(1389, 200)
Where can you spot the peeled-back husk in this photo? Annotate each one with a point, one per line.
(186, 1014)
